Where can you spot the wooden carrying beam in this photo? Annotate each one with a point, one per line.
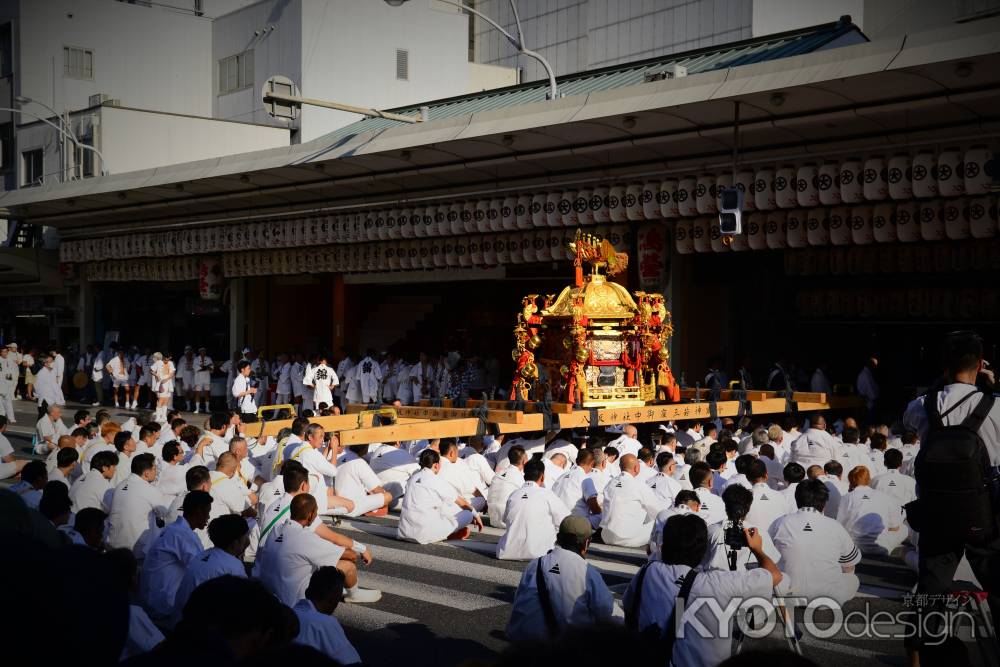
(754, 395)
(585, 418)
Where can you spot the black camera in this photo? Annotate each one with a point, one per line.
(733, 535)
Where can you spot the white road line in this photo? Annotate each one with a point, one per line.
(446, 597)
(445, 566)
(365, 617)
(484, 548)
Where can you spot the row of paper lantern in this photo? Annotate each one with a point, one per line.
(171, 269)
(887, 222)
(946, 257)
(451, 252)
(952, 173)
(922, 302)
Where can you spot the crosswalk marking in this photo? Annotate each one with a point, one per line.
(364, 617)
(447, 597)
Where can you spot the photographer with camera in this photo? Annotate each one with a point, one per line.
(956, 470)
(666, 588)
(727, 543)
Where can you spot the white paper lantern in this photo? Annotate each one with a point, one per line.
(722, 183)
(683, 236)
(852, 181)
(539, 247)
(412, 259)
(493, 221)
(501, 246)
(449, 250)
(907, 222)
(876, 187)
(701, 232)
(775, 230)
(552, 216)
(795, 226)
(650, 205)
(522, 212)
(666, 197)
(807, 185)
(391, 228)
(687, 204)
(438, 260)
(924, 175)
(931, 220)
(403, 229)
(616, 204)
(554, 240)
(536, 210)
(424, 260)
(861, 225)
(951, 173)
(468, 217)
(756, 231)
(982, 217)
(621, 238)
(955, 214)
(704, 193)
(884, 223)
(818, 226)
(978, 171)
(719, 242)
(414, 223)
(599, 204)
(507, 208)
(513, 243)
(568, 217)
(763, 190)
(633, 202)
(900, 177)
(489, 249)
(439, 224)
(828, 183)
(581, 206)
(453, 219)
(744, 183)
(475, 254)
(740, 242)
(480, 211)
(784, 187)
(840, 225)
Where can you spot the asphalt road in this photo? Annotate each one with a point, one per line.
(445, 604)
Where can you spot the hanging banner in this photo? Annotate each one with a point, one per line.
(209, 278)
(652, 257)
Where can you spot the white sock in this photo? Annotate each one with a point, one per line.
(351, 590)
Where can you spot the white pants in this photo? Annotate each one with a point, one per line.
(7, 405)
(367, 504)
(638, 539)
(8, 469)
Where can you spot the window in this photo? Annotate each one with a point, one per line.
(402, 65)
(85, 158)
(31, 168)
(78, 63)
(236, 72)
(6, 146)
(471, 4)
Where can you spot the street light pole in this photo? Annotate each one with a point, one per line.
(63, 132)
(518, 42)
(22, 100)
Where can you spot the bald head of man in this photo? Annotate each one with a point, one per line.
(303, 509)
(559, 460)
(630, 430)
(227, 463)
(629, 464)
(819, 421)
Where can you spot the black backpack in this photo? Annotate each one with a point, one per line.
(954, 478)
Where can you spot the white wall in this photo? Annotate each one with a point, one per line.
(168, 139)
(771, 16)
(147, 57)
(576, 35)
(349, 55)
(277, 50)
(132, 139)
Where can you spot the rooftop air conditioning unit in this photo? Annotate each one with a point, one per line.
(98, 99)
(673, 72)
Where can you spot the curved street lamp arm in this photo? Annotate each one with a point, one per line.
(60, 130)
